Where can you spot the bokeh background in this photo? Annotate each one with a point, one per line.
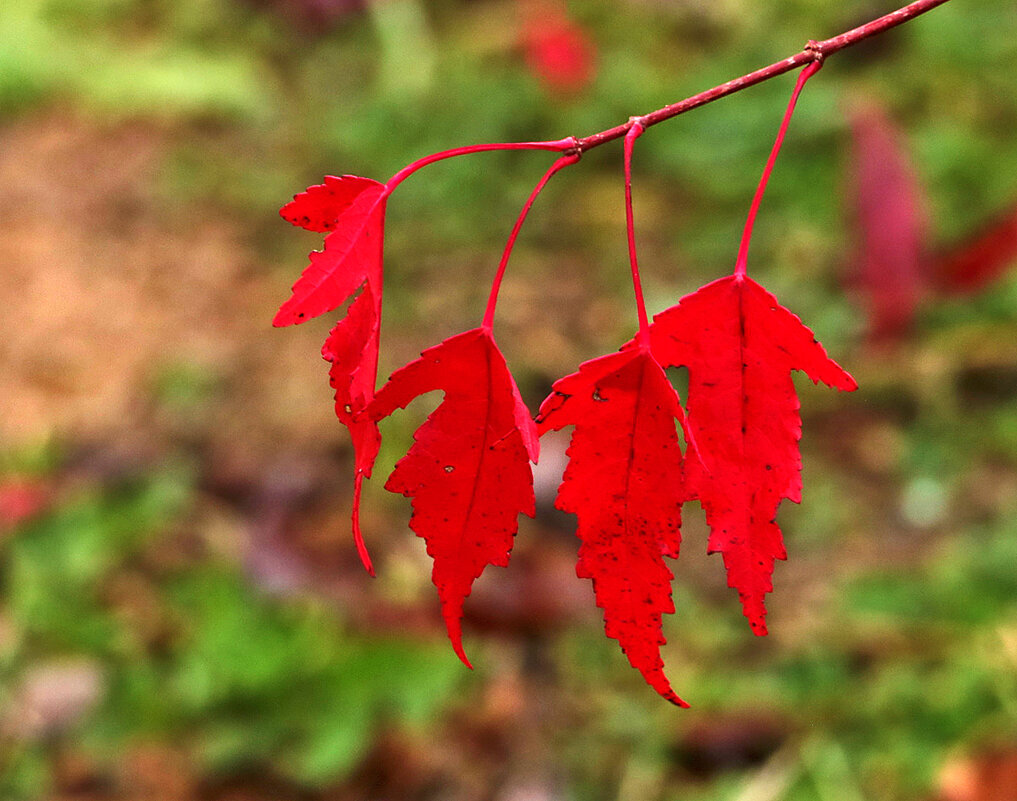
(182, 613)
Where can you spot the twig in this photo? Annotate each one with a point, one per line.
(813, 51)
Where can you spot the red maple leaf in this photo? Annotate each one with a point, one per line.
(353, 209)
(623, 482)
(740, 347)
(467, 471)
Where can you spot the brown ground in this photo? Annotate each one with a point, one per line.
(103, 289)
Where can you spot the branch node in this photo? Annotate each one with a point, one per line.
(816, 49)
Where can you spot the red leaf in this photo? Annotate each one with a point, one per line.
(352, 253)
(740, 347)
(558, 51)
(20, 500)
(467, 470)
(624, 484)
(977, 262)
(354, 210)
(892, 273)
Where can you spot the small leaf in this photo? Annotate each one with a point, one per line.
(467, 471)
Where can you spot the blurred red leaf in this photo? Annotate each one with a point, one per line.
(976, 262)
(467, 471)
(557, 50)
(623, 482)
(740, 346)
(891, 274)
(20, 499)
(990, 776)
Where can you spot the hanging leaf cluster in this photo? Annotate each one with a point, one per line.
(638, 452)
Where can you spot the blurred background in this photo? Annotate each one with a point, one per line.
(182, 613)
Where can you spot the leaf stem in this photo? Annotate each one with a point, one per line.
(492, 301)
(743, 249)
(636, 129)
(561, 145)
(358, 535)
(812, 52)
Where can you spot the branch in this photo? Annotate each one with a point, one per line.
(813, 51)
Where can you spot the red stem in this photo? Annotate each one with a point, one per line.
(743, 250)
(358, 536)
(560, 145)
(813, 51)
(635, 131)
(492, 301)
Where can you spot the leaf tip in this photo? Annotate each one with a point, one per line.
(658, 681)
(453, 625)
(678, 702)
(457, 646)
(280, 320)
(286, 317)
